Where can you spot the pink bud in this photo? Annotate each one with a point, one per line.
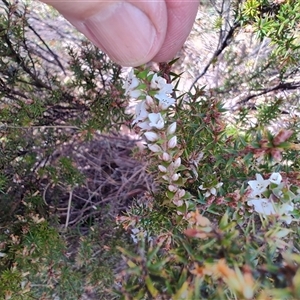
(162, 168)
(172, 128)
(172, 188)
(177, 163)
(154, 148)
(175, 177)
(166, 156)
(172, 143)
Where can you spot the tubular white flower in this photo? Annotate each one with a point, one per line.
(154, 148)
(172, 128)
(164, 100)
(258, 186)
(130, 84)
(156, 120)
(151, 136)
(160, 83)
(275, 178)
(162, 168)
(141, 112)
(172, 143)
(262, 206)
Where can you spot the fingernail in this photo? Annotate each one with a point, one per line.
(125, 33)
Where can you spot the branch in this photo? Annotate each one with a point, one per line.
(219, 50)
(280, 86)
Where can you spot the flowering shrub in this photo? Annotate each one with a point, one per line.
(220, 234)
(219, 216)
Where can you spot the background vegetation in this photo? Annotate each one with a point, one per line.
(83, 211)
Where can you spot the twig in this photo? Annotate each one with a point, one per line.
(216, 54)
(69, 207)
(280, 86)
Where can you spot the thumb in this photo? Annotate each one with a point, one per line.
(131, 33)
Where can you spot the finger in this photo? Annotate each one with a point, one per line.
(181, 16)
(131, 33)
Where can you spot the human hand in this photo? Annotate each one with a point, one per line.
(132, 32)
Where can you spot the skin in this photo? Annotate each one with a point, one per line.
(132, 32)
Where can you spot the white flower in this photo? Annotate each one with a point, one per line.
(172, 143)
(164, 100)
(156, 120)
(210, 191)
(172, 128)
(275, 178)
(262, 206)
(258, 186)
(151, 136)
(144, 125)
(141, 112)
(284, 211)
(130, 84)
(160, 83)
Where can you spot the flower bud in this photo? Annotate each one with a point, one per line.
(172, 143)
(154, 148)
(165, 177)
(166, 156)
(151, 136)
(149, 101)
(175, 177)
(177, 162)
(172, 128)
(181, 193)
(172, 188)
(162, 168)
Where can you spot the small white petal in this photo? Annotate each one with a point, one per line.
(213, 191)
(202, 188)
(207, 194)
(275, 178)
